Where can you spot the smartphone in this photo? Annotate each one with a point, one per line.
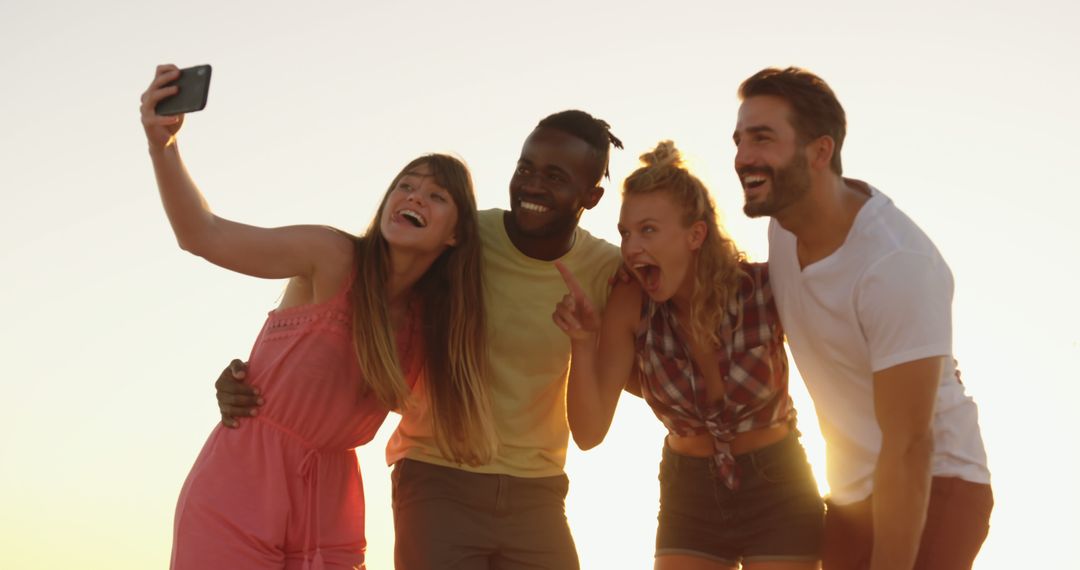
(194, 83)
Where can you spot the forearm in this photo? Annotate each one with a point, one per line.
(588, 412)
(901, 495)
(189, 214)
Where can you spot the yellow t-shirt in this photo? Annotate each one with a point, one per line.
(529, 355)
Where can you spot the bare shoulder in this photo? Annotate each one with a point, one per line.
(624, 304)
(627, 291)
(341, 245)
(333, 263)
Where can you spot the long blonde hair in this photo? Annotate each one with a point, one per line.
(453, 325)
(716, 264)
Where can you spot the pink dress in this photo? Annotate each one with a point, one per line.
(284, 490)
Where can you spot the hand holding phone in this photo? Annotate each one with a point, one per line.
(177, 91)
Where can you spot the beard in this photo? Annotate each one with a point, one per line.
(789, 183)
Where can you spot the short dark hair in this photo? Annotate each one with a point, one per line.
(815, 110)
(595, 132)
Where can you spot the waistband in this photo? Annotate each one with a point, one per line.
(693, 462)
(725, 461)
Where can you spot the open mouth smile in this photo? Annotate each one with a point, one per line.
(751, 181)
(648, 274)
(413, 217)
(533, 207)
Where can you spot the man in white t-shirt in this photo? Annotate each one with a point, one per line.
(866, 302)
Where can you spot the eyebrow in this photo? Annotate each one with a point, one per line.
(526, 162)
(754, 130)
(638, 222)
(559, 170)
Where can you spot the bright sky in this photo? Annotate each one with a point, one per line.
(965, 115)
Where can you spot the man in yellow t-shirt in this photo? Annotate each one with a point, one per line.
(509, 513)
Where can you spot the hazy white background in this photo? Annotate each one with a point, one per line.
(965, 114)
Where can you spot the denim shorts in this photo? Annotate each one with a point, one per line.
(775, 515)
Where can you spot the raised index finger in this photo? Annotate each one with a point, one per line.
(571, 282)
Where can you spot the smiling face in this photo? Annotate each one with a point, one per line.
(554, 181)
(770, 159)
(418, 213)
(657, 246)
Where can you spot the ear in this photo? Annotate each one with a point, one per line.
(820, 152)
(451, 241)
(592, 197)
(696, 237)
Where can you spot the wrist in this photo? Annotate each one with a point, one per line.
(583, 341)
(159, 150)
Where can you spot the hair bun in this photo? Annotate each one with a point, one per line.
(665, 154)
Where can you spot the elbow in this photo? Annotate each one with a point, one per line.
(191, 246)
(919, 440)
(587, 443)
(197, 235)
(915, 449)
(921, 445)
(194, 242)
(187, 244)
(587, 439)
(918, 460)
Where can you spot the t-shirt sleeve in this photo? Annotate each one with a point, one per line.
(607, 263)
(904, 303)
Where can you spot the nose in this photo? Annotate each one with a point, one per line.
(742, 157)
(631, 245)
(416, 197)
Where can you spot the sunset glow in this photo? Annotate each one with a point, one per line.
(965, 114)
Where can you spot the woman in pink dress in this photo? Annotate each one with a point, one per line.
(360, 319)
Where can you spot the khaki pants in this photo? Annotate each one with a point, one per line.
(450, 519)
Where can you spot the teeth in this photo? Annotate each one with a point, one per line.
(414, 217)
(753, 179)
(533, 207)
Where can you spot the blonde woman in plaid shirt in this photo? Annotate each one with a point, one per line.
(696, 333)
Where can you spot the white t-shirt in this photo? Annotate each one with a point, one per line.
(883, 298)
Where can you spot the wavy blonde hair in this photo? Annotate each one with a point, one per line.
(453, 326)
(716, 263)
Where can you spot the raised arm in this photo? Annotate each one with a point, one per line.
(593, 390)
(904, 404)
(272, 253)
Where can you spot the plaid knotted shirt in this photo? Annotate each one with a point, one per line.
(753, 366)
